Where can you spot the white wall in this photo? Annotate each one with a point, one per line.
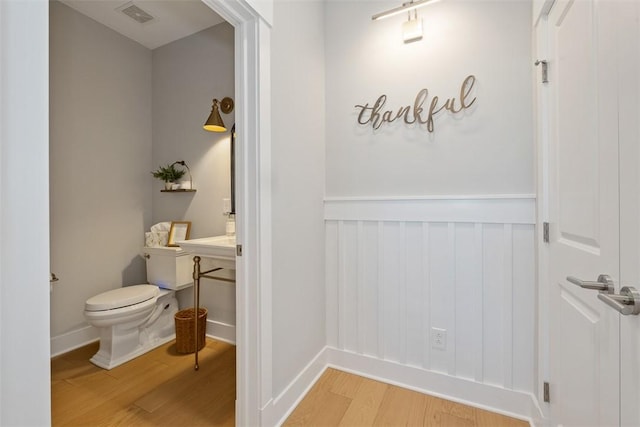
(486, 149)
(187, 75)
(25, 394)
(298, 188)
(420, 232)
(100, 159)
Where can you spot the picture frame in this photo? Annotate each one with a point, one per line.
(179, 231)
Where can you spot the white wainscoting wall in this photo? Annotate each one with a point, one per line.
(398, 267)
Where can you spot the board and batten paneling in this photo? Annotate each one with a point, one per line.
(396, 268)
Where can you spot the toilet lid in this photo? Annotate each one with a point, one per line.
(121, 297)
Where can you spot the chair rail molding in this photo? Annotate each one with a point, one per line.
(495, 209)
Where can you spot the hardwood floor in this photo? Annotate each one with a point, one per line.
(161, 388)
(342, 399)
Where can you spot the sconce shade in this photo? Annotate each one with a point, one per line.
(214, 123)
(412, 29)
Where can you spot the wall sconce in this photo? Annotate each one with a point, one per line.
(183, 163)
(406, 7)
(214, 123)
(412, 29)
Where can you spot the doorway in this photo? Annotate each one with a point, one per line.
(247, 125)
(25, 363)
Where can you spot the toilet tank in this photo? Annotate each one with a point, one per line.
(168, 267)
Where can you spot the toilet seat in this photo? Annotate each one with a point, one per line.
(121, 297)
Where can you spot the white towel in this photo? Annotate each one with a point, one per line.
(161, 226)
(156, 239)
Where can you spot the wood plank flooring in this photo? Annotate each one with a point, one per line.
(342, 399)
(161, 388)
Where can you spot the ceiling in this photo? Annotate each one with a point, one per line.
(172, 19)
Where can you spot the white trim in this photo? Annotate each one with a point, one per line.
(262, 290)
(541, 9)
(487, 209)
(69, 341)
(431, 197)
(277, 410)
(540, 50)
(514, 404)
(221, 331)
(511, 403)
(25, 367)
(253, 196)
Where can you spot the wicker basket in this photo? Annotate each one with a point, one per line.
(185, 338)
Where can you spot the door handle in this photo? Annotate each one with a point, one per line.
(53, 278)
(604, 284)
(627, 303)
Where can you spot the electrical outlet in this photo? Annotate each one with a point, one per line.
(439, 338)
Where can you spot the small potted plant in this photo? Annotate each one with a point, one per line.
(169, 174)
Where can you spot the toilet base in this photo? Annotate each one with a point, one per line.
(122, 342)
(105, 362)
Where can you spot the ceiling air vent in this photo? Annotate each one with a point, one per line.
(135, 13)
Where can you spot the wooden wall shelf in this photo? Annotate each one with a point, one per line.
(179, 190)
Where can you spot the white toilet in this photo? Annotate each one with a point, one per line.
(136, 319)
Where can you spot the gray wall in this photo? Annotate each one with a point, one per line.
(187, 75)
(118, 111)
(298, 170)
(100, 158)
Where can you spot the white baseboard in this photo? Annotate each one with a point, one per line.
(69, 341)
(66, 342)
(221, 331)
(276, 411)
(515, 404)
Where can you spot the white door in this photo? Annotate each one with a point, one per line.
(583, 212)
(594, 209)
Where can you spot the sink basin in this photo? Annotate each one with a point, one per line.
(221, 248)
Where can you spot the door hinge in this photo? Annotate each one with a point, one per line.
(545, 393)
(545, 69)
(545, 232)
(238, 250)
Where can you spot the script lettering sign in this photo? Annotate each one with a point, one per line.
(377, 115)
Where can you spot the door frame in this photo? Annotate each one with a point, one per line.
(253, 202)
(24, 219)
(540, 51)
(25, 392)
